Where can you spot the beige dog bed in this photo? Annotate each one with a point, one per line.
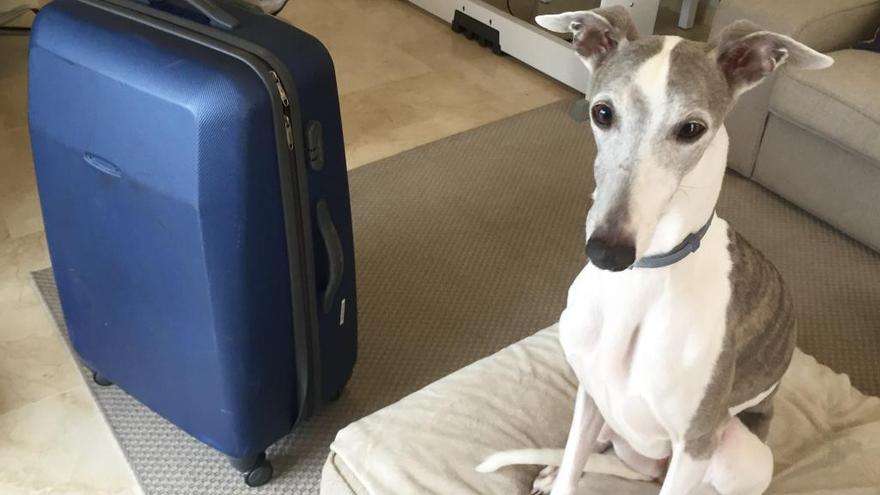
(825, 437)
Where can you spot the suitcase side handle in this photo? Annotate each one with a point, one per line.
(218, 17)
(335, 256)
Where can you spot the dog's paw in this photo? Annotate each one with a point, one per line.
(543, 484)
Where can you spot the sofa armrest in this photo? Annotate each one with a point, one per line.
(825, 25)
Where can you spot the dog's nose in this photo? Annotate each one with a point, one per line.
(613, 256)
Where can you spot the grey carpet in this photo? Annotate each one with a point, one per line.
(468, 244)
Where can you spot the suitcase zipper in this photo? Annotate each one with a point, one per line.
(308, 405)
(288, 131)
(285, 104)
(280, 87)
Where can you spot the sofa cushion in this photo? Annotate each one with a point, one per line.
(839, 103)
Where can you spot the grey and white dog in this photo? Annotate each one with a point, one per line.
(678, 350)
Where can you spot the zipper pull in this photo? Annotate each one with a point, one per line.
(280, 88)
(288, 132)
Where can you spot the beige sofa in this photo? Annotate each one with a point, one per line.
(813, 137)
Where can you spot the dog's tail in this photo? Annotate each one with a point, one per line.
(604, 463)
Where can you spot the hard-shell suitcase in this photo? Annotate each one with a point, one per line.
(191, 170)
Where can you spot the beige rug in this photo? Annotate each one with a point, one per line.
(468, 244)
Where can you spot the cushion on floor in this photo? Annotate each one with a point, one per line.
(825, 436)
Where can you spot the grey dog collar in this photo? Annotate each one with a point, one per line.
(690, 244)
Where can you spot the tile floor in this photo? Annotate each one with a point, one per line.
(404, 80)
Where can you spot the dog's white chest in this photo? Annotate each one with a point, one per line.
(644, 343)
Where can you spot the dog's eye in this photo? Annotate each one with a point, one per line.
(690, 131)
(603, 115)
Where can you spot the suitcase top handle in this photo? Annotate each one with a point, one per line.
(218, 17)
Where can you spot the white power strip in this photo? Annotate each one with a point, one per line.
(543, 51)
(533, 46)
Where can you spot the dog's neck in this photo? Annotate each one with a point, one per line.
(694, 201)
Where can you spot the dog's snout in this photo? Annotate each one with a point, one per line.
(608, 254)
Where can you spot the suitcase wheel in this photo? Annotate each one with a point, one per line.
(259, 475)
(257, 471)
(100, 380)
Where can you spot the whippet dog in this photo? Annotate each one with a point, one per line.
(677, 329)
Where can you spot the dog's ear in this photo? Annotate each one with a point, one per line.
(746, 54)
(598, 33)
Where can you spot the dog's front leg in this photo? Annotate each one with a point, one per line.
(585, 427)
(686, 471)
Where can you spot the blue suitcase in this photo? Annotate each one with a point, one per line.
(191, 169)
